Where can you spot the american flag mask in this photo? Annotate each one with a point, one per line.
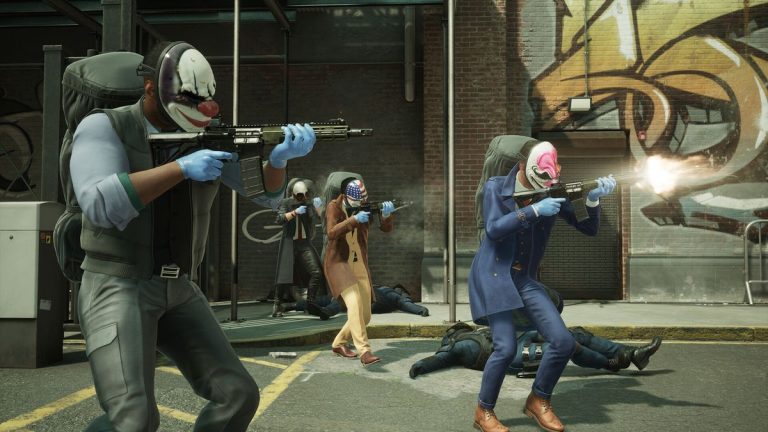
(355, 193)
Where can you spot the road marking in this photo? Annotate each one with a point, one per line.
(44, 411)
(281, 383)
(262, 322)
(169, 369)
(263, 363)
(178, 415)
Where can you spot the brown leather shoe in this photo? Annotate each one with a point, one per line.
(344, 351)
(540, 409)
(368, 359)
(486, 421)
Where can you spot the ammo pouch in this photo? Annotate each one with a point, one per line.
(66, 243)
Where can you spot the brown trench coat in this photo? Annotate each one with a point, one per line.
(337, 271)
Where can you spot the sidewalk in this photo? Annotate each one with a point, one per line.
(614, 320)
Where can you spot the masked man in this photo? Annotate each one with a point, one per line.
(298, 220)
(145, 225)
(346, 265)
(463, 346)
(502, 278)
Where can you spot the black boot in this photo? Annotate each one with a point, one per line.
(287, 307)
(277, 309)
(318, 311)
(621, 361)
(642, 355)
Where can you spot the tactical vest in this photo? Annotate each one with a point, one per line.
(129, 253)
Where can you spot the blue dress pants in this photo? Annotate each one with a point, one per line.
(544, 315)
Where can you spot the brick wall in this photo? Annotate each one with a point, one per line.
(684, 90)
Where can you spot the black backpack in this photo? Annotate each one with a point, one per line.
(102, 81)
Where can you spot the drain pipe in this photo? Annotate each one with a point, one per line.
(233, 228)
(451, 237)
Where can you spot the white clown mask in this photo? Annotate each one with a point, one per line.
(541, 167)
(185, 87)
(300, 191)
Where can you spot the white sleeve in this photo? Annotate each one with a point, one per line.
(98, 158)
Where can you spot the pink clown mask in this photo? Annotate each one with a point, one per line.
(541, 167)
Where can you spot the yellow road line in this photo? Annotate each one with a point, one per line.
(178, 415)
(263, 363)
(281, 383)
(169, 369)
(44, 411)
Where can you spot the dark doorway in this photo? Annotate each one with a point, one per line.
(579, 266)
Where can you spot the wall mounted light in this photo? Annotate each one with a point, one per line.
(580, 104)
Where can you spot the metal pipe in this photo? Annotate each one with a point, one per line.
(409, 54)
(451, 167)
(279, 14)
(54, 65)
(747, 281)
(586, 50)
(70, 11)
(286, 43)
(233, 229)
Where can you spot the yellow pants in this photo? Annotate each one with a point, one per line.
(357, 297)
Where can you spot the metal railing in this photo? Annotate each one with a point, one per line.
(747, 281)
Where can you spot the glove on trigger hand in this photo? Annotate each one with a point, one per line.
(362, 217)
(203, 165)
(548, 206)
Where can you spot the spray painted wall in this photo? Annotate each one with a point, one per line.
(687, 78)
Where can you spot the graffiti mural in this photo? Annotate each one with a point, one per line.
(688, 78)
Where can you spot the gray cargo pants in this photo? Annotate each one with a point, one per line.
(125, 320)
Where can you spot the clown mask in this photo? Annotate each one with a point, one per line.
(185, 87)
(355, 194)
(541, 167)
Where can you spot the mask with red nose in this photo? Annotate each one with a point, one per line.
(541, 167)
(185, 86)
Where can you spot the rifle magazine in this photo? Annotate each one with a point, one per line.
(252, 176)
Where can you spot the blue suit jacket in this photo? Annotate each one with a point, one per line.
(491, 289)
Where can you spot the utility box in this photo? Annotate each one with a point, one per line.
(32, 287)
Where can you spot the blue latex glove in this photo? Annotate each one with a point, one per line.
(301, 209)
(203, 165)
(298, 142)
(362, 217)
(387, 207)
(317, 202)
(548, 206)
(605, 185)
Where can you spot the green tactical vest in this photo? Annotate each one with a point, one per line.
(129, 253)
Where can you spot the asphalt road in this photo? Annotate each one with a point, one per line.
(686, 387)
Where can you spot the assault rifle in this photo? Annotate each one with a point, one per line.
(248, 141)
(376, 206)
(575, 192)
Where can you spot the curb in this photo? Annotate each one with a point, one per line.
(394, 331)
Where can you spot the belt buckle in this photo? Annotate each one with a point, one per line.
(170, 271)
